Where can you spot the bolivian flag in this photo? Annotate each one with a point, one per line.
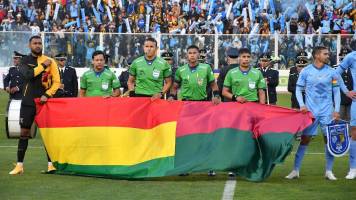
(140, 138)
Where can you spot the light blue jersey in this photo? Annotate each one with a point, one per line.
(320, 85)
(349, 63)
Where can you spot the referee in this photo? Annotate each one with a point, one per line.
(193, 79)
(41, 80)
(150, 76)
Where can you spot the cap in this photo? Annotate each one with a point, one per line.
(265, 56)
(232, 53)
(344, 51)
(60, 56)
(301, 63)
(302, 54)
(167, 55)
(18, 55)
(202, 54)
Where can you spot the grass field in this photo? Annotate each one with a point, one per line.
(34, 185)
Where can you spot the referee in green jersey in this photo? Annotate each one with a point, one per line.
(244, 83)
(193, 79)
(150, 76)
(99, 81)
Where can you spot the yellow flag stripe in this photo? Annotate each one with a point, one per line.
(109, 145)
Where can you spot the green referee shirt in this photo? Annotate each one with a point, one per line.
(149, 75)
(193, 81)
(99, 84)
(245, 84)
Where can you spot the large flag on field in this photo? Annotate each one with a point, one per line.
(140, 138)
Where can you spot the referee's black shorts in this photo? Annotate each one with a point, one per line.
(27, 116)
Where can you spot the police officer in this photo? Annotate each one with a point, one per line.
(348, 81)
(13, 81)
(69, 79)
(232, 55)
(168, 56)
(301, 55)
(124, 76)
(271, 76)
(292, 80)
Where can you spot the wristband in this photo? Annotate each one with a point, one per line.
(216, 93)
(132, 93)
(234, 98)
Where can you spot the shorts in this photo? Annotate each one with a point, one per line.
(353, 113)
(323, 121)
(27, 116)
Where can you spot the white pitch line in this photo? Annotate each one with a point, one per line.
(229, 190)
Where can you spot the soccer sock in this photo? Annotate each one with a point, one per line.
(21, 149)
(329, 159)
(352, 154)
(299, 156)
(48, 158)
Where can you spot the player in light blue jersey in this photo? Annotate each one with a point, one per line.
(322, 91)
(349, 63)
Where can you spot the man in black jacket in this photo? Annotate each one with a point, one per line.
(232, 60)
(293, 78)
(13, 81)
(271, 76)
(69, 79)
(345, 105)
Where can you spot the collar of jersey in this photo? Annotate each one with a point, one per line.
(245, 72)
(193, 69)
(319, 68)
(97, 74)
(148, 61)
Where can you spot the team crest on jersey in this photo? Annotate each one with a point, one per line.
(338, 141)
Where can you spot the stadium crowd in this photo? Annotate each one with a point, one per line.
(180, 16)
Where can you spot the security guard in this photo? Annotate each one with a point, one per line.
(124, 76)
(271, 76)
(168, 56)
(292, 80)
(41, 80)
(232, 55)
(150, 76)
(13, 81)
(69, 79)
(345, 105)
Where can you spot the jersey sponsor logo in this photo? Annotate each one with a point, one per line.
(337, 134)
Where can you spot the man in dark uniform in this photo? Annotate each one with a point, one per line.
(69, 79)
(345, 104)
(41, 80)
(232, 55)
(13, 81)
(292, 80)
(271, 76)
(124, 76)
(301, 55)
(168, 56)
